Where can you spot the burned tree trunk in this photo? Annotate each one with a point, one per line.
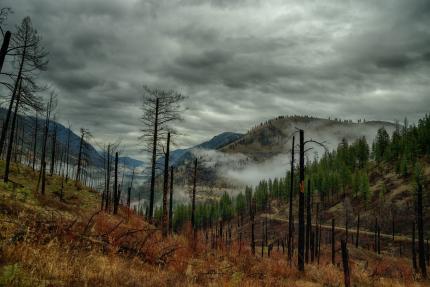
(345, 263)
(108, 196)
(252, 215)
(193, 206)
(11, 136)
(166, 186)
(414, 251)
(290, 211)
(4, 48)
(115, 186)
(81, 143)
(53, 150)
(129, 190)
(35, 143)
(301, 239)
(154, 159)
(171, 202)
(421, 248)
(358, 231)
(308, 222)
(333, 243)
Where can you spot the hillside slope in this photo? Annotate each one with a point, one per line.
(274, 136)
(45, 241)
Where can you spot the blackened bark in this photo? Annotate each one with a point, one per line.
(301, 239)
(53, 150)
(171, 202)
(166, 186)
(252, 215)
(308, 223)
(78, 171)
(421, 248)
(4, 47)
(345, 263)
(333, 243)
(414, 251)
(11, 136)
(115, 187)
(193, 206)
(35, 143)
(154, 158)
(358, 231)
(290, 211)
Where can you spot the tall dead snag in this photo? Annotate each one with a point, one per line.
(414, 251)
(252, 211)
(171, 202)
(4, 48)
(308, 222)
(379, 239)
(160, 108)
(30, 56)
(193, 206)
(166, 186)
(107, 184)
(345, 263)
(53, 149)
(358, 231)
(375, 235)
(301, 239)
(290, 211)
(129, 190)
(333, 244)
(115, 186)
(42, 172)
(11, 136)
(419, 214)
(69, 130)
(84, 132)
(36, 125)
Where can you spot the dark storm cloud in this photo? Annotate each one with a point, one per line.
(239, 62)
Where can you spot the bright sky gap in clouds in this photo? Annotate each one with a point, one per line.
(239, 62)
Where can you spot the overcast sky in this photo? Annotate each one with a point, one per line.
(238, 63)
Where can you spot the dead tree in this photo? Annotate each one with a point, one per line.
(11, 137)
(308, 222)
(42, 172)
(27, 49)
(301, 239)
(160, 108)
(4, 48)
(358, 231)
(193, 206)
(36, 125)
(419, 215)
(84, 132)
(171, 202)
(414, 251)
(129, 190)
(53, 149)
(290, 211)
(333, 243)
(166, 186)
(345, 263)
(68, 151)
(115, 186)
(252, 217)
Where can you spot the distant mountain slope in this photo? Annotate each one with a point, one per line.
(274, 136)
(62, 134)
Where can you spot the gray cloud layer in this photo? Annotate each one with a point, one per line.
(239, 62)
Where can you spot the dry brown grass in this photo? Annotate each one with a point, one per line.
(46, 242)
